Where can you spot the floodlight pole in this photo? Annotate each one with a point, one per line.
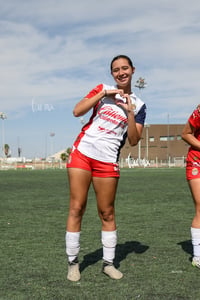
(168, 139)
(140, 84)
(3, 117)
(52, 134)
(147, 140)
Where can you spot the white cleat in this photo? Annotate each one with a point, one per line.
(111, 271)
(73, 271)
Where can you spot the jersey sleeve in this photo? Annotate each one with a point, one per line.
(95, 91)
(141, 116)
(194, 119)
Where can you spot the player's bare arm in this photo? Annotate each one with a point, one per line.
(86, 104)
(188, 136)
(134, 131)
(115, 92)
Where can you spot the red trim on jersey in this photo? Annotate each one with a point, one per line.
(95, 91)
(193, 157)
(194, 119)
(91, 94)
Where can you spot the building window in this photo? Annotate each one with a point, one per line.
(166, 138)
(163, 138)
(171, 138)
(151, 139)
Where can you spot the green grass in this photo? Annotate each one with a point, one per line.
(154, 211)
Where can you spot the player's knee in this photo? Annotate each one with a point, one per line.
(77, 211)
(107, 215)
(198, 211)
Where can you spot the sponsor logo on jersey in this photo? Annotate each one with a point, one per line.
(107, 113)
(194, 116)
(107, 130)
(196, 164)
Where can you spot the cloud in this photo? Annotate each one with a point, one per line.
(55, 52)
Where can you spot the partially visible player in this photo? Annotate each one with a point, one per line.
(117, 113)
(191, 134)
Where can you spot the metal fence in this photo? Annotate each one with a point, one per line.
(128, 162)
(156, 163)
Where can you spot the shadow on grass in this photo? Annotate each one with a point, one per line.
(122, 250)
(187, 247)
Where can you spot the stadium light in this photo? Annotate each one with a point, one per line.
(140, 84)
(3, 117)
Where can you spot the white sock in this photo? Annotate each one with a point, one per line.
(72, 240)
(195, 234)
(109, 241)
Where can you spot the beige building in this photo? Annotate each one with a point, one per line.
(159, 141)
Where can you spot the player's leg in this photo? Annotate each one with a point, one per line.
(194, 185)
(79, 182)
(105, 189)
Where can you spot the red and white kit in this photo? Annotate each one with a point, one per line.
(193, 157)
(105, 133)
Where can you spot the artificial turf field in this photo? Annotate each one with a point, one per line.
(154, 211)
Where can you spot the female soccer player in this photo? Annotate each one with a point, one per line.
(117, 113)
(191, 134)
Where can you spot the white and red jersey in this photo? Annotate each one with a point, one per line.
(194, 120)
(105, 133)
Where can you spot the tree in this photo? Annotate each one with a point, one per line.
(6, 150)
(64, 156)
(68, 151)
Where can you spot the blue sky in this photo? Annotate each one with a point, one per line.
(53, 52)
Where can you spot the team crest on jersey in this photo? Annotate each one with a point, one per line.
(195, 171)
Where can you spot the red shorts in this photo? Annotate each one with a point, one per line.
(97, 168)
(193, 165)
(192, 170)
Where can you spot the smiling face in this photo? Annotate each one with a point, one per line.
(122, 73)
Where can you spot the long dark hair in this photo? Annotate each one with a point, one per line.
(121, 56)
